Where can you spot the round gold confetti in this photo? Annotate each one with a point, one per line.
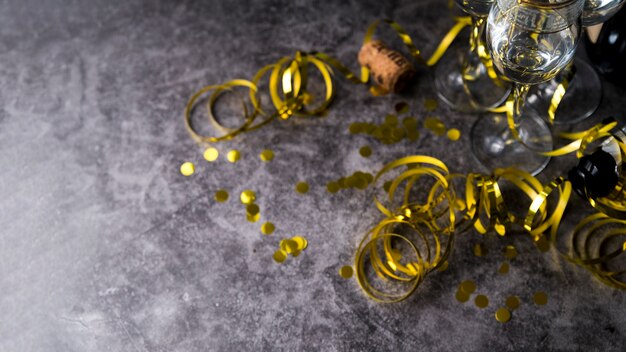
(443, 266)
(481, 301)
(252, 209)
(391, 120)
(540, 298)
(301, 242)
(430, 104)
(247, 196)
(332, 187)
(454, 134)
(288, 245)
(187, 168)
(267, 155)
(211, 154)
(233, 156)
(462, 296)
(512, 302)
(510, 252)
(280, 256)
(480, 250)
(302, 187)
(402, 107)
(365, 151)
(346, 271)
(435, 125)
(503, 315)
(253, 218)
(267, 228)
(221, 196)
(468, 286)
(504, 268)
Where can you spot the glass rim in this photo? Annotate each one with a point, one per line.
(534, 3)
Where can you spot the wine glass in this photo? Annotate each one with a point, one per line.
(530, 42)
(582, 78)
(461, 78)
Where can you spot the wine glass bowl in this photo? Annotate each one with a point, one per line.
(598, 11)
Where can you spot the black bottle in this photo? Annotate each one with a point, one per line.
(597, 174)
(608, 52)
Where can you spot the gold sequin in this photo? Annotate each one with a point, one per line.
(301, 242)
(187, 168)
(267, 228)
(365, 151)
(247, 196)
(430, 104)
(332, 187)
(289, 245)
(346, 271)
(454, 134)
(302, 187)
(468, 286)
(462, 296)
(503, 315)
(252, 209)
(267, 155)
(481, 301)
(480, 250)
(233, 156)
(540, 298)
(435, 125)
(402, 107)
(512, 302)
(280, 256)
(504, 268)
(221, 196)
(211, 154)
(443, 266)
(510, 252)
(391, 120)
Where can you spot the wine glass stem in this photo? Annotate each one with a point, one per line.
(520, 91)
(472, 59)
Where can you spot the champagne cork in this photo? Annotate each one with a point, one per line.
(389, 68)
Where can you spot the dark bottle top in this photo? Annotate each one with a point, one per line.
(608, 53)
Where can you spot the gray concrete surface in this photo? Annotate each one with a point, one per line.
(104, 246)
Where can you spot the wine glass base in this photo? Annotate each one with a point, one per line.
(478, 94)
(582, 98)
(494, 146)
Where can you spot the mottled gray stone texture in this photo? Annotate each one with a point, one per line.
(104, 246)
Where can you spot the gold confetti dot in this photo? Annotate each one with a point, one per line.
(391, 120)
(211, 154)
(481, 301)
(435, 125)
(468, 286)
(346, 271)
(413, 135)
(402, 107)
(430, 104)
(187, 168)
(365, 151)
(443, 266)
(280, 256)
(252, 209)
(504, 268)
(288, 245)
(247, 196)
(462, 296)
(221, 196)
(543, 244)
(267, 228)
(503, 315)
(233, 156)
(480, 250)
(301, 242)
(332, 187)
(454, 134)
(387, 185)
(512, 302)
(540, 298)
(510, 252)
(267, 155)
(302, 187)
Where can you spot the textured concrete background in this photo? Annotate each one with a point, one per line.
(104, 246)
